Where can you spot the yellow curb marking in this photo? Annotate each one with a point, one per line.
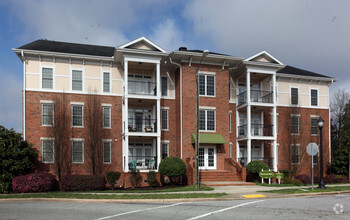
(254, 196)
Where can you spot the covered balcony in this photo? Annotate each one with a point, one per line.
(145, 87)
(257, 96)
(143, 162)
(267, 160)
(256, 130)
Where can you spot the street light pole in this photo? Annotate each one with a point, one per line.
(196, 171)
(320, 126)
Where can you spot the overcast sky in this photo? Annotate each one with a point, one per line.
(308, 34)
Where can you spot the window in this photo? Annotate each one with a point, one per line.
(314, 97)
(295, 153)
(230, 118)
(295, 124)
(77, 152)
(47, 78)
(165, 150)
(164, 119)
(315, 158)
(207, 120)
(47, 114)
(294, 96)
(48, 151)
(106, 117)
(206, 85)
(106, 82)
(164, 86)
(77, 116)
(107, 152)
(77, 80)
(314, 126)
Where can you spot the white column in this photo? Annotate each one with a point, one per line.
(274, 116)
(126, 153)
(158, 115)
(126, 73)
(158, 80)
(249, 148)
(237, 151)
(125, 119)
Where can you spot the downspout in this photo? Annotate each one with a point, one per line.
(177, 64)
(24, 95)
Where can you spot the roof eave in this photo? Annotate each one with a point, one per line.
(263, 64)
(331, 79)
(138, 51)
(59, 54)
(187, 53)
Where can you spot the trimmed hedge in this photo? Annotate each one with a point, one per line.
(34, 183)
(172, 167)
(152, 178)
(336, 179)
(83, 182)
(256, 166)
(113, 177)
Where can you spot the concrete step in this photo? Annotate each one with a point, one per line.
(228, 183)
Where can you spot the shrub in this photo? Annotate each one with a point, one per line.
(306, 179)
(16, 157)
(335, 179)
(135, 178)
(256, 166)
(34, 183)
(152, 178)
(287, 180)
(113, 177)
(83, 182)
(173, 168)
(297, 182)
(288, 173)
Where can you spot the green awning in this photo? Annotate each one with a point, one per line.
(209, 139)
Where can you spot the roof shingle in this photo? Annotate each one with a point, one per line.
(296, 71)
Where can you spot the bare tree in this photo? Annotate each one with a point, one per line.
(93, 144)
(338, 106)
(61, 131)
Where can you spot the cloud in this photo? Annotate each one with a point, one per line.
(11, 101)
(307, 34)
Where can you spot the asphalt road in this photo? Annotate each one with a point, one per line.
(320, 207)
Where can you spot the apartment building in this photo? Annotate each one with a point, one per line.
(250, 109)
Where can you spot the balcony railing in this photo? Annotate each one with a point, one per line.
(143, 162)
(256, 130)
(267, 160)
(255, 96)
(142, 88)
(142, 125)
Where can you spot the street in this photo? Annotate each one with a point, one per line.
(318, 207)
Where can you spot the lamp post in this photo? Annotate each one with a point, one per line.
(320, 126)
(196, 171)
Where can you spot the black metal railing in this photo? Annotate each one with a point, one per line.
(268, 160)
(142, 87)
(261, 130)
(143, 162)
(256, 130)
(255, 96)
(142, 125)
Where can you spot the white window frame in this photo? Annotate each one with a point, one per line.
(110, 151)
(206, 74)
(110, 80)
(206, 167)
(206, 119)
(298, 146)
(103, 116)
(83, 149)
(82, 80)
(230, 121)
(167, 149)
(317, 104)
(42, 150)
(82, 105)
(42, 113)
(167, 120)
(290, 96)
(314, 117)
(167, 86)
(291, 122)
(53, 77)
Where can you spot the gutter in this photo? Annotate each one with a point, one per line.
(24, 94)
(177, 64)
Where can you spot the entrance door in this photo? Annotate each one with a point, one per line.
(207, 157)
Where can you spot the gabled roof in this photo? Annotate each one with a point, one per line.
(73, 48)
(296, 71)
(264, 56)
(142, 43)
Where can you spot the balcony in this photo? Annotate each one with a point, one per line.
(143, 162)
(259, 96)
(256, 130)
(142, 125)
(267, 160)
(142, 88)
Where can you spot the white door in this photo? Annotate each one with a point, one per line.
(207, 157)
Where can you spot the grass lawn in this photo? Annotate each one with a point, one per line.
(174, 189)
(309, 190)
(288, 185)
(69, 195)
